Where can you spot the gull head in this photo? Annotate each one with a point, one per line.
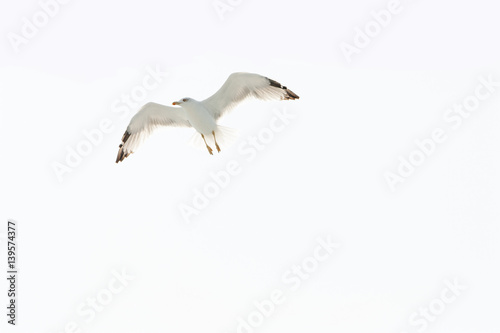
(183, 101)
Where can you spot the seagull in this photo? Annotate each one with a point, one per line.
(201, 115)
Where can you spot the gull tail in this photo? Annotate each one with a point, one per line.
(225, 137)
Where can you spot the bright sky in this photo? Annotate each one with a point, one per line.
(369, 205)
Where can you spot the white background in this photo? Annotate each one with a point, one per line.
(323, 175)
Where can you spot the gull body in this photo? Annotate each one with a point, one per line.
(201, 115)
(198, 115)
(200, 118)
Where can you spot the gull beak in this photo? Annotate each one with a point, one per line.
(176, 103)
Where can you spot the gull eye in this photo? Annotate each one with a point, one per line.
(184, 100)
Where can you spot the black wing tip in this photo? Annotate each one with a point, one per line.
(125, 137)
(290, 95)
(121, 153)
(274, 83)
(120, 157)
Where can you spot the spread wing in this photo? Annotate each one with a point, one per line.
(239, 86)
(149, 117)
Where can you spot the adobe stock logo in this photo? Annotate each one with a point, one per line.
(222, 7)
(363, 37)
(421, 319)
(454, 117)
(95, 304)
(31, 26)
(248, 151)
(293, 278)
